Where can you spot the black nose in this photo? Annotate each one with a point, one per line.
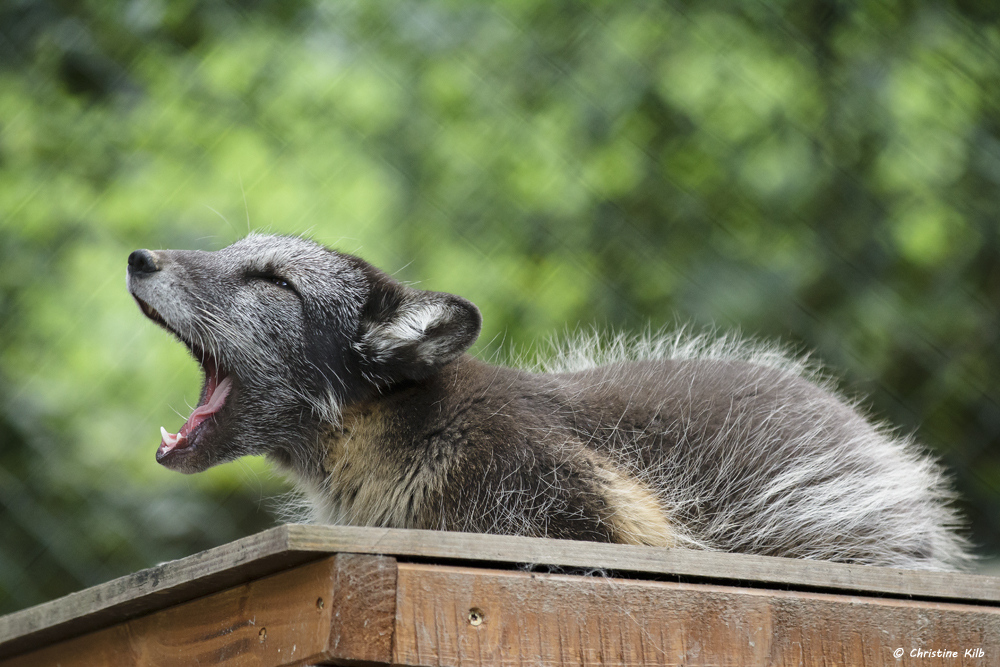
(142, 261)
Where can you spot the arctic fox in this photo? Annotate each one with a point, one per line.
(360, 388)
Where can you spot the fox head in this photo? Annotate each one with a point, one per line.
(288, 333)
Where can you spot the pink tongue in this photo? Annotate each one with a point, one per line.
(215, 398)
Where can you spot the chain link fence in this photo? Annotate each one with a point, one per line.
(820, 173)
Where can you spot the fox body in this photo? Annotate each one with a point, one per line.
(360, 388)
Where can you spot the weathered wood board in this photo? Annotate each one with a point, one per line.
(340, 607)
(361, 608)
(470, 617)
(421, 592)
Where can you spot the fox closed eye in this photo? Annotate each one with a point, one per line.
(275, 280)
(280, 282)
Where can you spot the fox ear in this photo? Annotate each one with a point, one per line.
(418, 332)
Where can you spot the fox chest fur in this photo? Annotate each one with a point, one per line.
(360, 388)
(482, 448)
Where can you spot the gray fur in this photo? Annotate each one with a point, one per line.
(359, 388)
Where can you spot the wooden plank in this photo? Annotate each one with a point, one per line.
(659, 561)
(154, 588)
(315, 612)
(290, 545)
(457, 616)
(363, 609)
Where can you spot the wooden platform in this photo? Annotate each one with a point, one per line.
(299, 595)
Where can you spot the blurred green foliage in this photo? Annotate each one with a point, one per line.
(822, 172)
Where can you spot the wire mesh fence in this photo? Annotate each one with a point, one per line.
(820, 173)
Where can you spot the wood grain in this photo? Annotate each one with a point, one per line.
(147, 590)
(311, 613)
(640, 560)
(364, 609)
(291, 545)
(574, 620)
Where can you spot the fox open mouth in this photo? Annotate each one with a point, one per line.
(218, 385)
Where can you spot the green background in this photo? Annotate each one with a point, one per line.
(820, 173)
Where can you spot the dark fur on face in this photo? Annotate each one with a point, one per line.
(299, 331)
(358, 386)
